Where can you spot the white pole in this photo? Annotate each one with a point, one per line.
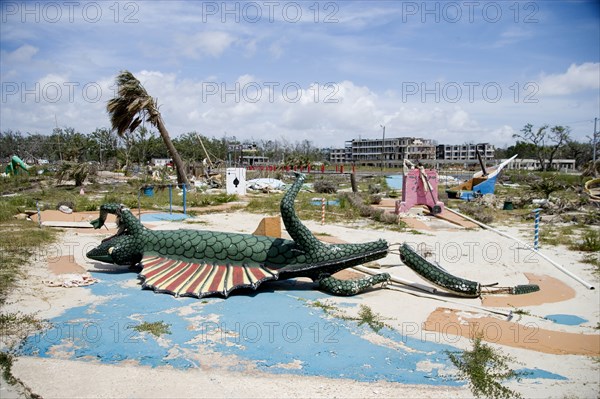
(507, 314)
(429, 290)
(527, 246)
(398, 280)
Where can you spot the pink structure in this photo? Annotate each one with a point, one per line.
(419, 187)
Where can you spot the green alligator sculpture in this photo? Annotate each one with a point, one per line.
(199, 263)
(439, 277)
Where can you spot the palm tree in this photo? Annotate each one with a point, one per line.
(129, 108)
(77, 171)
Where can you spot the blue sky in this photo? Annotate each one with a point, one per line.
(323, 71)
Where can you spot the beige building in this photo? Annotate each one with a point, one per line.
(562, 165)
(465, 152)
(391, 152)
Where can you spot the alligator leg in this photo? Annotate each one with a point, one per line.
(351, 287)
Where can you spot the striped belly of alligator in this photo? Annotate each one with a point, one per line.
(200, 263)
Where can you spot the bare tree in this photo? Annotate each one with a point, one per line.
(547, 142)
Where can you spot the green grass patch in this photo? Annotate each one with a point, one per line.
(368, 317)
(269, 204)
(590, 242)
(365, 315)
(6, 361)
(200, 199)
(324, 306)
(195, 222)
(156, 328)
(18, 323)
(22, 240)
(485, 369)
(593, 260)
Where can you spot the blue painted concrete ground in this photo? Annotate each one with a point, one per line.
(329, 202)
(275, 330)
(157, 217)
(394, 181)
(566, 319)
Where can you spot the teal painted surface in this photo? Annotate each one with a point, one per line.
(271, 331)
(157, 217)
(536, 373)
(566, 319)
(394, 182)
(329, 202)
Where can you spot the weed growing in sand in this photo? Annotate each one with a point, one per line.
(326, 307)
(269, 204)
(196, 222)
(590, 242)
(556, 236)
(23, 240)
(156, 328)
(593, 260)
(520, 312)
(367, 316)
(200, 200)
(6, 361)
(323, 234)
(485, 368)
(19, 324)
(477, 212)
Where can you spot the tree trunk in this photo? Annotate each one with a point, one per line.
(542, 161)
(353, 182)
(181, 175)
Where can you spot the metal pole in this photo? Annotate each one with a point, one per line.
(184, 199)
(536, 228)
(527, 246)
(382, 146)
(595, 138)
(322, 211)
(37, 205)
(170, 199)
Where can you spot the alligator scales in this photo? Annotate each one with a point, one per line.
(199, 263)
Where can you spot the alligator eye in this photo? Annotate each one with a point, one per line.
(110, 250)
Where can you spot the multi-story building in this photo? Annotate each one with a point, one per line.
(465, 152)
(337, 155)
(390, 152)
(341, 155)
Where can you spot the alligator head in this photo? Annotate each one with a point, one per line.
(126, 246)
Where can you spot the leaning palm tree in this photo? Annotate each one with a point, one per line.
(77, 171)
(129, 108)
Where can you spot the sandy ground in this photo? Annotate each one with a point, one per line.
(535, 343)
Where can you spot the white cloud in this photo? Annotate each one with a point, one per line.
(512, 35)
(201, 44)
(577, 78)
(22, 54)
(12, 62)
(351, 111)
(277, 48)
